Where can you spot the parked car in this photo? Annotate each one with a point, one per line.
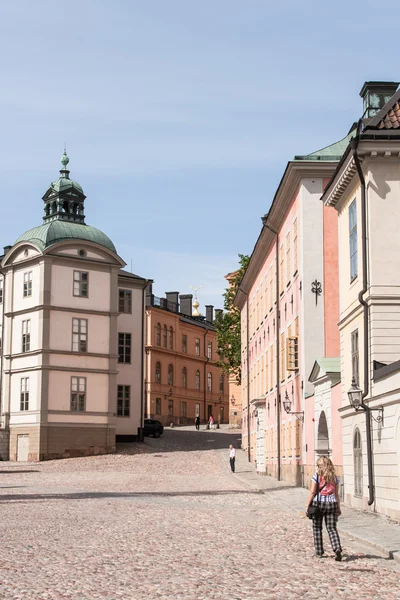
(153, 427)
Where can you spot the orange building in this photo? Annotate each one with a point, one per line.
(182, 377)
(235, 389)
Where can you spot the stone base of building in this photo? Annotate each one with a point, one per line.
(52, 442)
(290, 473)
(127, 438)
(4, 444)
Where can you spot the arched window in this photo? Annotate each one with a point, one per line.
(221, 383)
(358, 463)
(158, 372)
(209, 382)
(197, 380)
(165, 336)
(184, 377)
(170, 338)
(158, 334)
(170, 375)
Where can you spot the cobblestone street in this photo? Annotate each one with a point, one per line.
(167, 520)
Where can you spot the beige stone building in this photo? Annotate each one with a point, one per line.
(72, 337)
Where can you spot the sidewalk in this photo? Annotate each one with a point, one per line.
(373, 530)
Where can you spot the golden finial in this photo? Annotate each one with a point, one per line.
(196, 303)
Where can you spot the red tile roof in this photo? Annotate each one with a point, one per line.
(392, 119)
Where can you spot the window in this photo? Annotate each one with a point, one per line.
(124, 348)
(165, 336)
(79, 335)
(158, 372)
(197, 410)
(171, 338)
(184, 409)
(353, 240)
(125, 301)
(281, 267)
(78, 394)
(209, 382)
(170, 408)
(282, 365)
(170, 375)
(158, 334)
(295, 267)
(209, 350)
(27, 284)
(197, 345)
(1, 290)
(221, 383)
(288, 265)
(24, 405)
(26, 336)
(123, 400)
(358, 464)
(197, 384)
(355, 357)
(81, 284)
(184, 377)
(184, 343)
(158, 406)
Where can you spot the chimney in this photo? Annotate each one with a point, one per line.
(149, 295)
(6, 249)
(172, 301)
(209, 313)
(218, 313)
(375, 94)
(186, 304)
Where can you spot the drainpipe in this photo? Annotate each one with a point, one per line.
(3, 275)
(205, 375)
(278, 385)
(354, 144)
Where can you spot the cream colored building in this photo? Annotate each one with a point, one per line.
(365, 190)
(72, 337)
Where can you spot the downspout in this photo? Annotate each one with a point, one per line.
(3, 275)
(278, 385)
(205, 375)
(248, 372)
(364, 304)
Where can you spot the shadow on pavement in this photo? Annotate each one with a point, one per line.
(102, 495)
(12, 471)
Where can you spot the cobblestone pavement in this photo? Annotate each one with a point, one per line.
(162, 520)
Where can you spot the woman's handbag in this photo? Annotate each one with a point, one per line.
(315, 510)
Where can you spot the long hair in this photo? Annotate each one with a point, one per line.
(326, 469)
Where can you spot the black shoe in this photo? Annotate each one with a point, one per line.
(319, 555)
(338, 556)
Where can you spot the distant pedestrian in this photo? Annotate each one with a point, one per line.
(211, 422)
(324, 504)
(197, 422)
(232, 456)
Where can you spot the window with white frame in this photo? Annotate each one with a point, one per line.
(78, 394)
(26, 335)
(27, 284)
(353, 240)
(355, 357)
(358, 463)
(24, 403)
(125, 301)
(124, 348)
(81, 284)
(209, 382)
(79, 335)
(123, 400)
(209, 350)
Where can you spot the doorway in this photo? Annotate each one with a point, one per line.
(22, 448)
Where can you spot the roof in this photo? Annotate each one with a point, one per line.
(58, 231)
(324, 366)
(333, 152)
(389, 115)
(129, 275)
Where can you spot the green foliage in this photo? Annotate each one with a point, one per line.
(228, 326)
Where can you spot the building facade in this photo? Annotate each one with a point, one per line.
(235, 388)
(72, 323)
(183, 379)
(289, 307)
(365, 192)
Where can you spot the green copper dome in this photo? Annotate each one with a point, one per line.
(58, 231)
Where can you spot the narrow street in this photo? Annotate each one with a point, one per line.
(167, 520)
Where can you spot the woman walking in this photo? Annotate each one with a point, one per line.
(324, 494)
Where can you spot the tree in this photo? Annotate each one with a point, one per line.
(228, 325)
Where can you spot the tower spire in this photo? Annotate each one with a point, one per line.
(64, 200)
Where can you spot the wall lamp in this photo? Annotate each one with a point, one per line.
(287, 404)
(356, 401)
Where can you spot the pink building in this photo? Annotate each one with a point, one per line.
(289, 304)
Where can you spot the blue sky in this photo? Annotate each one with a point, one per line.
(179, 117)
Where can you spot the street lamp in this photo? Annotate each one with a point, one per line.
(287, 404)
(356, 401)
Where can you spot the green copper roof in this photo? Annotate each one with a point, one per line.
(334, 152)
(57, 231)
